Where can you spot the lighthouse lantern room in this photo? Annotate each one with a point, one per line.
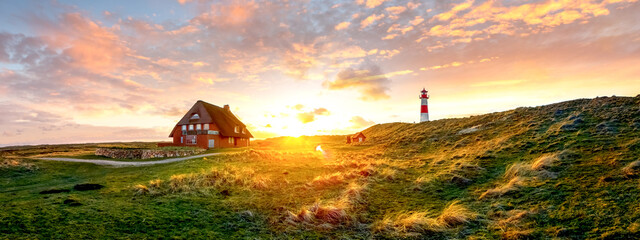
(424, 107)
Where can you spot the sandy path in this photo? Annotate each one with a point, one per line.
(127, 164)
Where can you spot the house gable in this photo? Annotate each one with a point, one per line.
(223, 118)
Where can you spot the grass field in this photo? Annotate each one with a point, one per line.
(568, 171)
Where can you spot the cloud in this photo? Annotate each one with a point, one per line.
(374, 3)
(310, 116)
(466, 22)
(321, 111)
(457, 64)
(306, 117)
(89, 45)
(498, 83)
(370, 19)
(368, 79)
(298, 107)
(396, 9)
(358, 122)
(342, 25)
(206, 77)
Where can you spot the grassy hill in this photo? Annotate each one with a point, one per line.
(567, 170)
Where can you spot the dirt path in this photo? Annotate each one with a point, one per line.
(127, 164)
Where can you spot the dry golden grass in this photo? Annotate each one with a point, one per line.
(387, 173)
(521, 173)
(517, 234)
(407, 223)
(215, 178)
(340, 177)
(456, 214)
(141, 189)
(632, 169)
(514, 184)
(320, 215)
(155, 183)
(13, 163)
(328, 180)
(419, 222)
(354, 194)
(514, 218)
(544, 162)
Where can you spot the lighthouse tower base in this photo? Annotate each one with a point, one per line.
(424, 117)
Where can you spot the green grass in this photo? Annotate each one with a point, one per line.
(281, 188)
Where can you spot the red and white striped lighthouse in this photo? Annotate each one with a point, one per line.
(424, 108)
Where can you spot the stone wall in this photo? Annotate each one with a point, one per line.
(135, 153)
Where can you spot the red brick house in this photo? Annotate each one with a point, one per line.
(356, 138)
(208, 126)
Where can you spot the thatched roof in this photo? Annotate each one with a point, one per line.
(221, 117)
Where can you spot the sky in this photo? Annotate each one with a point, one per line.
(100, 71)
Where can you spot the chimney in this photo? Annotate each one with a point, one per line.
(226, 107)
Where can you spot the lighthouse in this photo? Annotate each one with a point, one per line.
(424, 107)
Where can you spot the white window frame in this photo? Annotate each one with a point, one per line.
(206, 126)
(181, 139)
(243, 130)
(198, 127)
(190, 127)
(231, 140)
(184, 127)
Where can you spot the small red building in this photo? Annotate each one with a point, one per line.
(208, 126)
(356, 138)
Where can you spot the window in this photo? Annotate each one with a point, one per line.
(206, 126)
(191, 139)
(236, 129)
(243, 130)
(231, 140)
(191, 127)
(198, 127)
(184, 129)
(195, 116)
(181, 139)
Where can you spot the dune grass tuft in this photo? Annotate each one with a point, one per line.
(514, 184)
(320, 215)
(632, 169)
(387, 173)
(419, 222)
(141, 189)
(455, 214)
(214, 178)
